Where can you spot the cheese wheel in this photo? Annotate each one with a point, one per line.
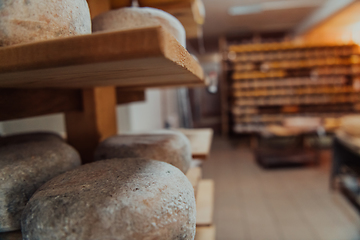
(24, 21)
(133, 199)
(168, 146)
(24, 167)
(30, 137)
(135, 17)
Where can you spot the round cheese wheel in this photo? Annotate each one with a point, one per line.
(168, 146)
(24, 21)
(137, 17)
(24, 167)
(30, 137)
(113, 199)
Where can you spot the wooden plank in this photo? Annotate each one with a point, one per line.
(205, 203)
(205, 233)
(200, 141)
(21, 103)
(123, 97)
(96, 122)
(131, 58)
(194, 175)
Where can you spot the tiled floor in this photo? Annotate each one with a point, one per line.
(284, 204)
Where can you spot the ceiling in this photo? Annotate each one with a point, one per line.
(218, 22)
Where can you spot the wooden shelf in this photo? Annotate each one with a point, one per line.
(200, 141)
(140, 58)
(205, 203)
(194, 175)
(205, 233)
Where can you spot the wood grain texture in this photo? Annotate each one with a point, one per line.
(97, 121)
(132, 58)
(205, 233)
(205, 203)
(194, 175)
(21, 103)
(200, 141)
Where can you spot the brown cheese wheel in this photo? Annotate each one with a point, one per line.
(136, 17)
(167, 146)
(114, 199)
(24, 21)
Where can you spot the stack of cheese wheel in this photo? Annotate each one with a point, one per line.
(27, 161)
(135, 194)
(135, 17)
(35, 20)
(118, 199)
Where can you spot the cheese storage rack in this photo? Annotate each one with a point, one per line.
(86, 76)
(265, 83)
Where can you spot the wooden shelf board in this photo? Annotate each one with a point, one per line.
(205, 203)
(133, 58)
(205, 233)
(194, 175)
(200, 141)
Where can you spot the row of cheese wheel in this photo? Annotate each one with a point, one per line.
(135, 189)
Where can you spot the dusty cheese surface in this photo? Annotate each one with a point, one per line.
(24, 21)
(26, 166)
(167, 146)
(139, 17)
(118, 200)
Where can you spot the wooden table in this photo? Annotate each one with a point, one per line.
(86, 76)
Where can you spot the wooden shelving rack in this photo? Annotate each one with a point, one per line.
(266, 83)
(86, 76)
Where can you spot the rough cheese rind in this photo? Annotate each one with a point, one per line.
(24, 21)
(113, 199)
(139, 17)
(24, 167)
(168, 146)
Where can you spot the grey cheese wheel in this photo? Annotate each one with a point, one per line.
(139, 17)
(167, 146)
(30, 137)
(24, 21)
(113, 199)
(25, 167)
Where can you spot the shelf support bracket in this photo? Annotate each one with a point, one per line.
(96, 122)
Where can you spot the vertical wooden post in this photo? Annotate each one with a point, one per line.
(98, 6)
(96, 122)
